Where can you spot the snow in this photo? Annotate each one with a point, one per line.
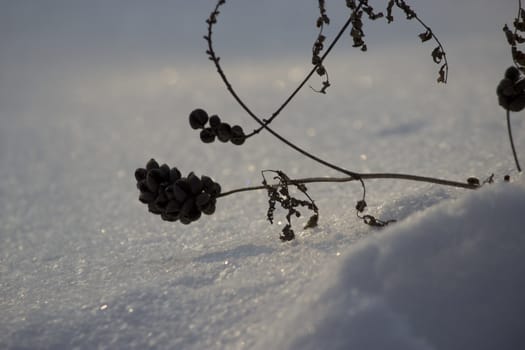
(446, 278)
(83, 265)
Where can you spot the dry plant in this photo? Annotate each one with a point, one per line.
(184, 198)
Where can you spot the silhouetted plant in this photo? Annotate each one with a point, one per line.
(511, 89)
(174, 197)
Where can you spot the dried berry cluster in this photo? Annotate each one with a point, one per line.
(174, 197)
(511, 90)
(216, 129)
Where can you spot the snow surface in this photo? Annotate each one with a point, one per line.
(447, 278)
(83, 265)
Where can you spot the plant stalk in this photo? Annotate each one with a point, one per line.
(369, 176)
(509, 128)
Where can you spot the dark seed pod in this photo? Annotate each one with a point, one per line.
(152, 207)
(207, 181)
(207, 135)
(174, 174)
(195, 183)
(161, 201)
(505, 88)
(152, 164)
(215, 121)
(214, 190)
(187, 207)
(473, 181)
(210, 207)
(238, 136)
(140, 174)
(224, 132)
(142, 187)
(179, 194)
(504, 101)
(517, 103)
(184, 220)
(360, 206)
(169, 192)
(198, 118)
(164, 172)
(146, 197)
(202, 200)
(512, 73)
(173, 207)
(195, 214)
(169, 217)
(153, 179)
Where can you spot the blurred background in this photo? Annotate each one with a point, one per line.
(91, 90)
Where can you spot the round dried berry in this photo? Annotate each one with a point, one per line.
(142, 187)
(215, 121)
(169, 217)
(506, 88)
(207, 135)
(164, 172)
(209, 209)
(214, 190)
(195, 183)
(238, 136)
(202, 200)
(512, 73)
(173, 207)
(140, 174)
(174, 175)
(153, 179)
(179, 194)
(152, 164)
(161, 201)
(517, 104)
(198, 118)
(224, 132)
(146, 197)
(152, 207)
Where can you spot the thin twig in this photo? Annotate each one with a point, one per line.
(436, 39)
(512, 142)
(312, 71)
(369, 176)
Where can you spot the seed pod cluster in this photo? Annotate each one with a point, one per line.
(174, 197)
(511, 90)
(213, 127)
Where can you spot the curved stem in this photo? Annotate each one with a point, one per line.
(215, 59)
(445, 64)
(368, 176)
(512, 142)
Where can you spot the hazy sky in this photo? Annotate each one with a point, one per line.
(100, 30)
(45, 42)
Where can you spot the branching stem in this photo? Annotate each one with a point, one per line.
(229, 87)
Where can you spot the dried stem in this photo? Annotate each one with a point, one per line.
(368, 176)
(211, 52)
(444, 69)
(512, 142)
(312, 71)
(264, 124)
